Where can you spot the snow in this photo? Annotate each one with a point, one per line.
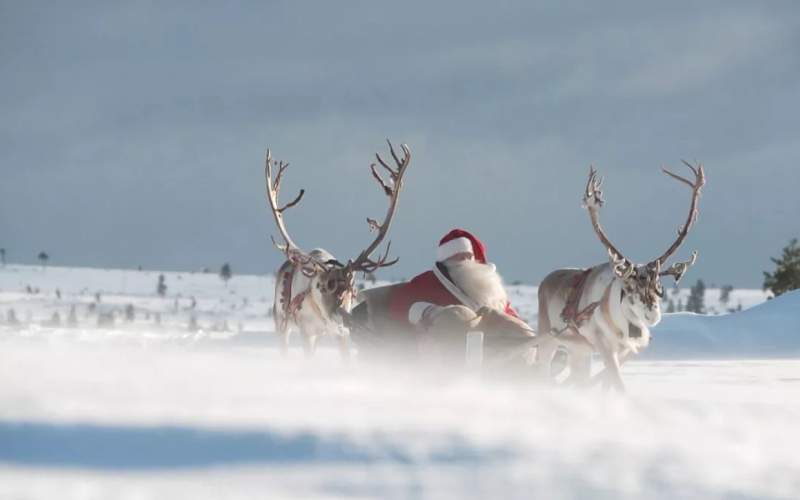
(141, 410)
(769, 330)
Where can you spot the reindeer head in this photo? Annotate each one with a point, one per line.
(333, 283)
(642, 290)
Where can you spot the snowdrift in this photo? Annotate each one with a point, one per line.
(771, 329)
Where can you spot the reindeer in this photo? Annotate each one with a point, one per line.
(608, 308)
(313, 289)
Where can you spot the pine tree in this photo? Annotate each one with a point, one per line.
(725, 294)
(43, 258)
(161, 288)
(696, 301)
(786, 276)
(225, 273)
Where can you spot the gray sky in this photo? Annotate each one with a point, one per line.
(134, 134)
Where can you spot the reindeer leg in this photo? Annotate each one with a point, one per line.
(285, 343)
(309, 344)
(283, 330)
(604, 374)
(544, 357)
(612, 378)
(580, 365)
(344, 346)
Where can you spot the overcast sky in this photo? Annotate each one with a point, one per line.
(133, 134)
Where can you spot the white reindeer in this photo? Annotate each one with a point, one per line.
(608, 308)
(313, 289)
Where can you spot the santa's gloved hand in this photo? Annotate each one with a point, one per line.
(422, 314)
(449, 318)
(428, 317)
(494, 320)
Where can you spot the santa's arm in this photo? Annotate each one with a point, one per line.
(496, 320)
(419, 312)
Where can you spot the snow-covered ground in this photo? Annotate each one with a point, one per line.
(36, 293)
(140, 409)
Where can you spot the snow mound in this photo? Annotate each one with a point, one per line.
(771, 329)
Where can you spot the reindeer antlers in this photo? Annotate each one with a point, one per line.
(306, 262)
(697, 186)
(392, 190)
(677, 269)
(592, 201)
(274, 189)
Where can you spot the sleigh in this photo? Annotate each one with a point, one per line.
(473, 340)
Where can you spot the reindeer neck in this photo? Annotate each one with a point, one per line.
(596, 284)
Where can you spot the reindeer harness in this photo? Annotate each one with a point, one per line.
(575, 318)
(570, 314)
(291, 305)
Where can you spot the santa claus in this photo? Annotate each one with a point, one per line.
(461, 277)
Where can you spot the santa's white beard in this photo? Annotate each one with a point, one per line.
(480, 282)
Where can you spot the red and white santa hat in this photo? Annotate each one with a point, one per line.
(459, 241)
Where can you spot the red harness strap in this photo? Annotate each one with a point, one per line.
(570, 312)
(290, 305)
(285, 275)
(296, 303)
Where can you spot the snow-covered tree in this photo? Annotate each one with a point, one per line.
(786, 276)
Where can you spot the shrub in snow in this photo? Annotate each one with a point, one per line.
(105, 319)
(130, 314)
(11, 317)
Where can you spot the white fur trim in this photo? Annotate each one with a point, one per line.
(453, 289)
(416, 311)
(453, 247)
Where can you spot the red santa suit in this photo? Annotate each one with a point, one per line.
(409, 302)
